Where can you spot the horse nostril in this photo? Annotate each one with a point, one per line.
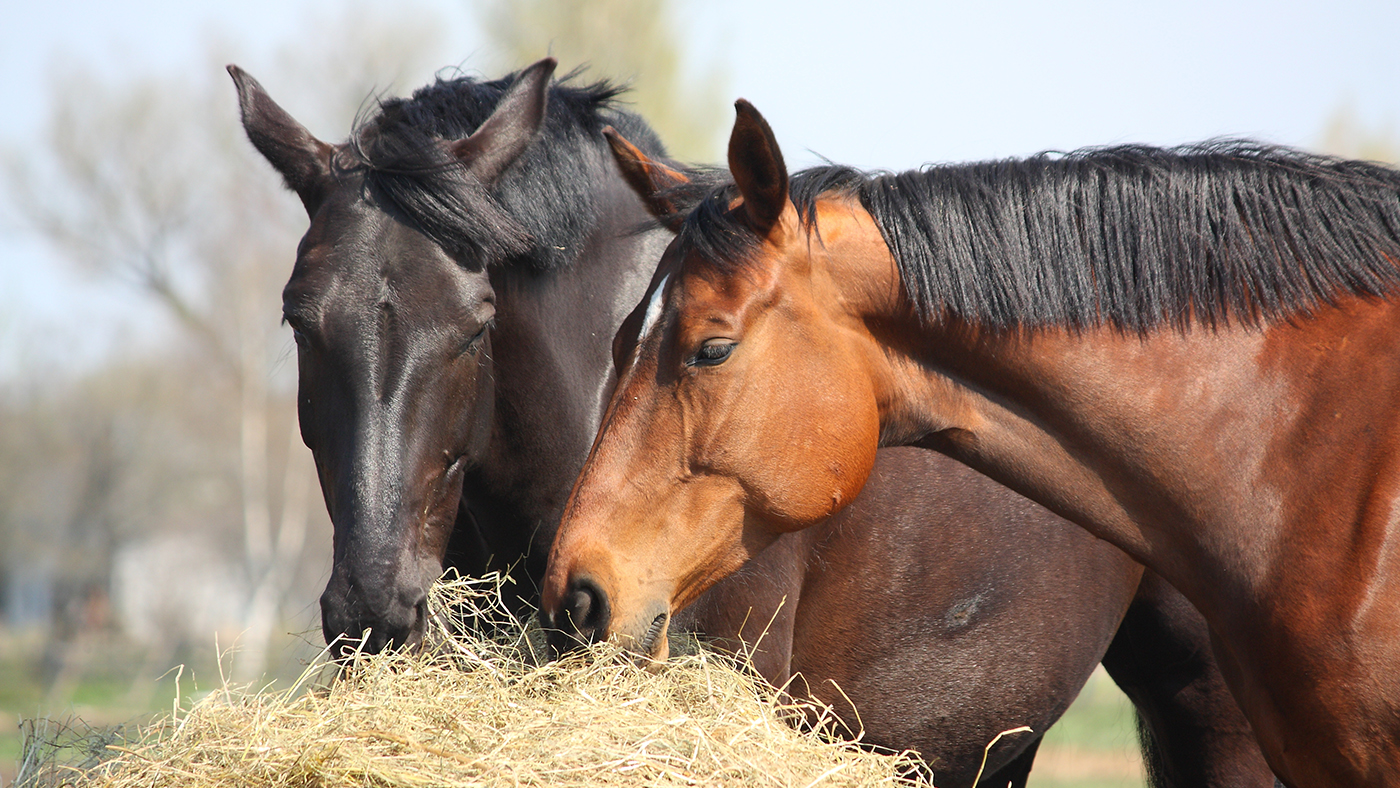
(653, 633)
(586, 608)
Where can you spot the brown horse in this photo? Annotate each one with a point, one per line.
(1192, 353)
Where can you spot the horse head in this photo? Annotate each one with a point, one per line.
(391, 312)
(710, 366)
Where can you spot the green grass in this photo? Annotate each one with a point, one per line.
(114, 685)
(1094, 745)
(18, 692)
(99, 697)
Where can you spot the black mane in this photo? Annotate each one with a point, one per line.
(1133, 237)
(542, 207)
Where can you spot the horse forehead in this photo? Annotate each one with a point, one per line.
(355, 256)
(708, 292)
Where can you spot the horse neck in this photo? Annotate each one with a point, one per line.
(1056, 415)
(1180, 447)
(553, 362)
(1072, 419)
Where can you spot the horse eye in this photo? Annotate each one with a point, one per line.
(474, 344)
(713, 352)
(298, 335)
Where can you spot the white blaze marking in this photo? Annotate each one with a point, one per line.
(653, 310)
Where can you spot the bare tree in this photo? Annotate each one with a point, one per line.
(1346, 135)
(634, 40)
(151, 184)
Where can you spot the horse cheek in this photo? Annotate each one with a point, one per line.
(851, 466)
(837, 469)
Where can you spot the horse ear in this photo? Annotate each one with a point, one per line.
(649, 178)
(303, 160)
(501, 139)
(756, 163)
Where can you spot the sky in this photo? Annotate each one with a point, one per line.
(878, 85)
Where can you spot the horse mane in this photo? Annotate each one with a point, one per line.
(1133, 237)
(542, 207)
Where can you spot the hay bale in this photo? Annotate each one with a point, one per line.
(472, 711)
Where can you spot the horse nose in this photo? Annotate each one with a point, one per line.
(585, 611)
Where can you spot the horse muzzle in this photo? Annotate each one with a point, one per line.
(351, 624)
(585, 615)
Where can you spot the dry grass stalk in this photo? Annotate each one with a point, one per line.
(475, 711)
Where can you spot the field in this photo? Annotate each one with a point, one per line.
(109, 685)
(1094, 745)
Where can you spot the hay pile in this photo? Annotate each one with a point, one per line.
(475, 711)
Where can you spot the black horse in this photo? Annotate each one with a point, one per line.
(472, 252)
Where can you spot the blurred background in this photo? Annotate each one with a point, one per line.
(157, 507)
